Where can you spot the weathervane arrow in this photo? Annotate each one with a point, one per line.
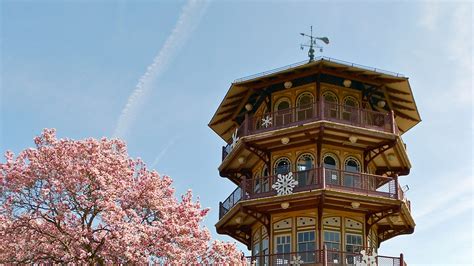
(312, 43)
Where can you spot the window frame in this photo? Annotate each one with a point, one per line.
(332, 174)
(307, 256)
(288, 243)
(279, 101)
(361, 246)
(352, 178)
(333, 254)
(332, 93)
(280, 159)
(305, 154)
(353, 158)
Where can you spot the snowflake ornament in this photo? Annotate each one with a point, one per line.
(285, 184)
(267, 121)
(367, 260)
(296, 261)
(234, 139)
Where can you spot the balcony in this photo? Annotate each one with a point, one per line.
(318, 178)
(319, 111)
(324, 257)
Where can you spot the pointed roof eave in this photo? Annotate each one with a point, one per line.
(397, 87)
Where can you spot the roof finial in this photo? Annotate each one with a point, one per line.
(312, 42)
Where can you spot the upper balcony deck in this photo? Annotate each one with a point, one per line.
(318, 111)
(313, 179)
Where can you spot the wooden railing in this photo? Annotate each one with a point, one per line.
(321, 257)
(230, 201)
(318, 111)
(318, 178)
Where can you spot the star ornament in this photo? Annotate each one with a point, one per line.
(267, 121)
(285, 184)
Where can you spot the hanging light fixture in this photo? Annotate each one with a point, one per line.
(249, 107)
(238, 220)
(288, 84)
(381, 103)
(353, 139)
(285, 140)
(347, 83)
(391, 156)
(355, 204)
(285, 205)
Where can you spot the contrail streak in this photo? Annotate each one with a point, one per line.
(164, 151)
(187, 22)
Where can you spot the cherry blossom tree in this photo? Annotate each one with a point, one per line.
(86, 201)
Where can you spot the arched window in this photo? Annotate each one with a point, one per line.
(304, 98)
(352, 178)
(330, 164)
(352, 165)
(282, 166)
(257, 183)
(256, 240)
(304, 164)
(305, 106)
(265, 171)
(282, 114)
(330, 161)
(330, 96)
(350, 111)
(265, 183)
(282, 104)
(351, 101)
(331, 107)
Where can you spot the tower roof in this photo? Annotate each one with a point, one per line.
(394, 87)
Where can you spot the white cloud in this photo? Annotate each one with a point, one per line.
(460, 48)
(449, 26)
(430, 15)
(448, 193)
(187, 22)
(453, 197)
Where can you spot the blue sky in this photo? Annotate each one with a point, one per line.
(74, 65)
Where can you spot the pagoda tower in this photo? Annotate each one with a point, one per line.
(315, 151)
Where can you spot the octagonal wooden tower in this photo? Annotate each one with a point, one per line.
(315, 151)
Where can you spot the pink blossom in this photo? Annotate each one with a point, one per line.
(86, 201)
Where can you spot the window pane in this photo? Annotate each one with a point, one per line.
(283, 105)
(352, 166)
(329, 162)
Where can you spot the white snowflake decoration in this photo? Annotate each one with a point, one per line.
(367, 260)
(267, 121)
(285, 184)
(296, 261)
(234, 139)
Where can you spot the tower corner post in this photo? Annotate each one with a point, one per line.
(243, 186)
(246, 124)
(392, 118)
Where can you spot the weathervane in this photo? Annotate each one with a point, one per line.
(312, 42)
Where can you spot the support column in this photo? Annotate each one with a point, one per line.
(318, 92)
(367, 230)
(319, 145)
(320, 225)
